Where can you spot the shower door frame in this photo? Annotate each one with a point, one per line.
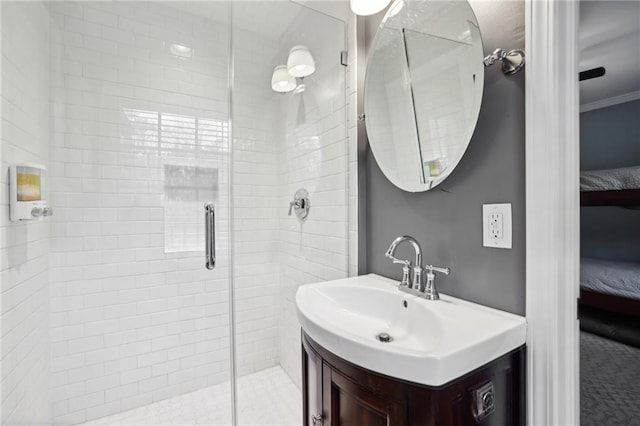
(233, 377)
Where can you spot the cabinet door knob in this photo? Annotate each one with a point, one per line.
(317, 420)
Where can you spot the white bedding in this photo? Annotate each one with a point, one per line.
(610, 179)
(611, 277)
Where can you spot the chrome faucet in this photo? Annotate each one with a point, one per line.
(416, 283)
(416, 286)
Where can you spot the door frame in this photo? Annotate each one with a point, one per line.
(552, 212)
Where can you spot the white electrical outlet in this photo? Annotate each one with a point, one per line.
(496, 225)
(496, 231)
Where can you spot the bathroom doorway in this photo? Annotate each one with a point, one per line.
(609, 215)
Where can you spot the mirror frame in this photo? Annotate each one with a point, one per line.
(422, 183)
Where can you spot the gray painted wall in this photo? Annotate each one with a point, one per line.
(448, 220)
(609, 138)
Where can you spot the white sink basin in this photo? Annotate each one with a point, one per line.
(433, 342)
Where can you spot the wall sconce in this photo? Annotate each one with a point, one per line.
(300, 64)
(368, 7)
(282, 81)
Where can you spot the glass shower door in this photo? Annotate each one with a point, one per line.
(283, 142)
(140, 141)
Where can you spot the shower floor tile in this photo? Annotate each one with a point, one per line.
(267, 397)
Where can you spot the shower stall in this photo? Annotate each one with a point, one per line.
(140, 113)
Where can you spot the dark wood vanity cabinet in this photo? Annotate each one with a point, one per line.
(336, 392)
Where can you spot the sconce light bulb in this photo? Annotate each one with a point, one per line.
(300, 62)
(281, 80)
(368, 7)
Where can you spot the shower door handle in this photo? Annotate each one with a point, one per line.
(210, 234)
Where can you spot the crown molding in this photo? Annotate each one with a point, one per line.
(603, 103)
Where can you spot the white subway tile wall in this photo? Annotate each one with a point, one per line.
(136, 318)
(24, 246)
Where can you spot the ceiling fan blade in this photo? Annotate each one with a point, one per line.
(592, 73)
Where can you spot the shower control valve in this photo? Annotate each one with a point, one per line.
(300, 204)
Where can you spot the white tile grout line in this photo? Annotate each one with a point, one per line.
(267, 397)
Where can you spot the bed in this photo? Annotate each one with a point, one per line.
(611, 286)
(610, 290)
(610, 299)
(610, 187)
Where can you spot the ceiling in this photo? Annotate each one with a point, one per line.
(610, 37)
(265, 18)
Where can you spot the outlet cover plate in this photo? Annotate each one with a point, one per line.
(496, 225)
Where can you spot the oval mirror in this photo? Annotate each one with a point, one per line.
(423, 90)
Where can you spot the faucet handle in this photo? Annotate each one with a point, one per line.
(405, 272)
(430, 290)
(431, 269)
(395, 259)
(405, 269)
(292, 204)
(400, 261)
